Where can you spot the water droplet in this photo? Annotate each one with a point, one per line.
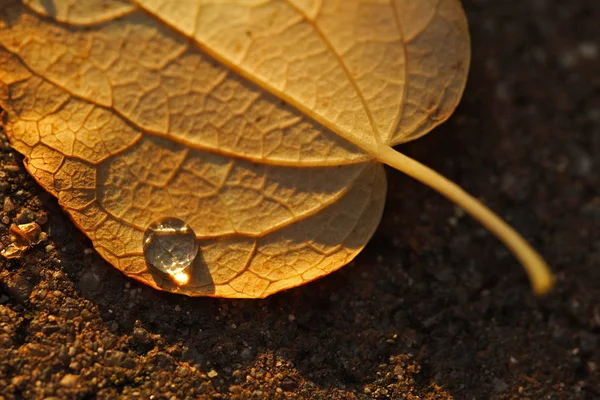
(170, 245)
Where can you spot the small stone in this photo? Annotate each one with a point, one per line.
(499, 385)
(588, 50)
(212, 373)
(69, 380)
(75, 366)
(142, 338)
(114, 358)
(516, 187)
(589, 342)
(12, 168)
(289, 385)
(459, 244)
(18, 380)
(18, 287)
(567, 60)
(502, 92)
(581, 162)
(35, 350)
(42, 218)
(25, 216)
(43, 237)
(8, 205)
(246, 354)
(90, 282)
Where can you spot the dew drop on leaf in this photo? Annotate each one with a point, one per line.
(170, 245)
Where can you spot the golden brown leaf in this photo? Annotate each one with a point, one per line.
(257, 125)
(22, 237)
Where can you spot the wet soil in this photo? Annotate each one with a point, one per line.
(434, 307)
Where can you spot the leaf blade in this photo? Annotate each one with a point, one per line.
(71, 145)
(258, 123)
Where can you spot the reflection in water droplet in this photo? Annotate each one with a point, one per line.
(170, 245)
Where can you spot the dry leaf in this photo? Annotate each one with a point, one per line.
(22, 238)
(243, 137)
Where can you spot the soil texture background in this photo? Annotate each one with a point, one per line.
(433, 308)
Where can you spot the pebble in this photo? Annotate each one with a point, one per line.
(212, 373)
(18, 380)
(515, 187)
(289, 385)
(247, 354)
(25, 216)
(42, 218)
(8, 205)
(142, 337)
(581, 161)
(567, 60)
(459, 245)
(43, 237)
(588, 50)
(69, 380)
(90, 282)
(114, 358)
(499, 385)
(589, 342)
(12, 168)
(18, 287)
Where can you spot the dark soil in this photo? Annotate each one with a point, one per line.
(434, 308)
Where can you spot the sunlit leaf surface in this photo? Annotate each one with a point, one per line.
(256, 127)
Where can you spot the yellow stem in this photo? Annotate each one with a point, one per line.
(535, 266)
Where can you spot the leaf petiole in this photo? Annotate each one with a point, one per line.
(539, 273)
